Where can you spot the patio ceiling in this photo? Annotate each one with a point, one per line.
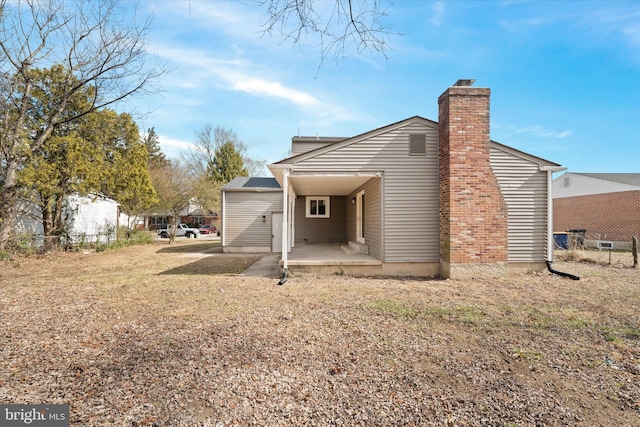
(313, 185)
(322, 183)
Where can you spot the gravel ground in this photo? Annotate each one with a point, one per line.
(147, 336)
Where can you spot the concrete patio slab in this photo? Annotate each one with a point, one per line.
(338, 254)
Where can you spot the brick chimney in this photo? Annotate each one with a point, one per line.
(473, 213)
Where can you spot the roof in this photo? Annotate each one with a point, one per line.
(327, 139)
(335, 142)
(247, 183)
(621, 178)
(201, 212)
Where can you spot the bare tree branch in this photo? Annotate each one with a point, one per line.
(348, 24)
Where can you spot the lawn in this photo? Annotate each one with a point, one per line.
(171, 335)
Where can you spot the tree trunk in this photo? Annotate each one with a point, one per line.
(47, 220)
(9, 204)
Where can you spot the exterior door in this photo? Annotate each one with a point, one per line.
(276, 232)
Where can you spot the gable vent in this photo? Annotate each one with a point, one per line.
(417, 144)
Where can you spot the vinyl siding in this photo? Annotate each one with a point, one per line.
(299, 147)
(372, 217)
(410, 187)
(524, 188)
(321, 230)
(242, 217)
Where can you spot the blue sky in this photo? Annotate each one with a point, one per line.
(564, 76)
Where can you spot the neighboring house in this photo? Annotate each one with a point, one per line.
(193, 214)
(606, 205)
(90, 219)
(416, 197)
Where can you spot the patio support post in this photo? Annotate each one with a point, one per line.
(285, 218)
(550, 170)
(549, 216)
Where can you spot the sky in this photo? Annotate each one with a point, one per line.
(564, 76)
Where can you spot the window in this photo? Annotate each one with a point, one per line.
(157, 220)
(318, 207)
(417, 144)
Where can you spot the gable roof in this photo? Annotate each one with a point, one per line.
(621, 178)
(341, 142)
(247, 183)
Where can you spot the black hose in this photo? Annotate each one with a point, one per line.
(561, 273)
(284, 277)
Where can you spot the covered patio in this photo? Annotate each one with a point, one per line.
(323, 221)
(334, 254)
(328, 258)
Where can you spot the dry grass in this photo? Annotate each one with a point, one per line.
(594, 256)
(168, 336)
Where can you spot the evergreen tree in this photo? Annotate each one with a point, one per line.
(98, 152)
(157, 159)
(227, 164)
(102, 47)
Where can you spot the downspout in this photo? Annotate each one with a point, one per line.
(549, 258)
(285, 221)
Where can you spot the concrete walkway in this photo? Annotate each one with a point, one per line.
(266, 267)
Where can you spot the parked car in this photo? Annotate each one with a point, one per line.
(208, 229)
(181, 230)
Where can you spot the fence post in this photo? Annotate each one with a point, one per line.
(634, 250)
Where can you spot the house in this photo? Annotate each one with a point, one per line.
(193, 214)
(89, 219)
(416, 197)
(606, 205)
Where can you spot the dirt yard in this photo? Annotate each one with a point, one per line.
(169, 336)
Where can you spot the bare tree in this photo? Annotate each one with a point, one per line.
(339, 24)
(173, 183)
(200, 160)
(100, 48)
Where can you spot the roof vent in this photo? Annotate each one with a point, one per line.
(465, 82)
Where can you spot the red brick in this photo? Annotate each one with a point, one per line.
(609, 216)
(473, 213)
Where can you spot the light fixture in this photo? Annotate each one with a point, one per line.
(264, 218)
(353, 201)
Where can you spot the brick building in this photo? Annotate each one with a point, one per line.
(606, 205)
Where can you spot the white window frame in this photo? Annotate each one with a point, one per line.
(325, 199)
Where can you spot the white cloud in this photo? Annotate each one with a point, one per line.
(438, 14)
(198, 70)
(202, 68)
(541, 132)
(172, 147)
(257, 86)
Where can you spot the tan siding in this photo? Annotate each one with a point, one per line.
(525, 190)
(411, 193)
(372, 217)
(242, 217)
(302, 147)
(321, 230)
